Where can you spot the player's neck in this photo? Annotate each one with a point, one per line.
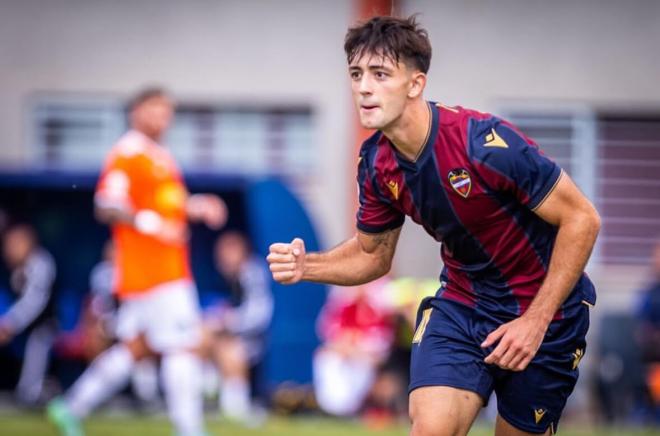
(410, 132)
(155, 137)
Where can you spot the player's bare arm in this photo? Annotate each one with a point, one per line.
(361, 259)
(148, 222)
(207, 208)
(114, 215)
(578, 224)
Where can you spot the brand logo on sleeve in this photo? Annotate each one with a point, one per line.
(460, 180)
(495, 140)
(393, 186)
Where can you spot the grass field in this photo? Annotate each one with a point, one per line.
(36, 425)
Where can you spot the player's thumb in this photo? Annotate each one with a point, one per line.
(298, 247)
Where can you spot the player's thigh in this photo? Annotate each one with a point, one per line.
(443, 411)
(138, 347)
(503, 428)
(130, 320)
(173, 320)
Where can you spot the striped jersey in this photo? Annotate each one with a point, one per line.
(473, 187)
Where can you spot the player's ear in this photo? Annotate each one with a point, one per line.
(417, 84)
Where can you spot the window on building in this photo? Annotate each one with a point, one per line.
(614, 157)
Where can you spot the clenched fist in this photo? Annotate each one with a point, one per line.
(287, 261)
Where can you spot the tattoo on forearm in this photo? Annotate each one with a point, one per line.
(383, 239)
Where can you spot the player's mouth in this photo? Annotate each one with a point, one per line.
(368, 107)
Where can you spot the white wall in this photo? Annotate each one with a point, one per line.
(485, 52)
(594, 50)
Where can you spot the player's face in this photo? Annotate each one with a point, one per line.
(231, 252)
(153, 116)
(380, 89)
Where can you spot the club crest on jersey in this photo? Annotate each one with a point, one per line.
(460, 180)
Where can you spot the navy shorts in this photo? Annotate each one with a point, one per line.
(446, 351)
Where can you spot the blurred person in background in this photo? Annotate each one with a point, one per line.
(141, 195)
(238, 330)
(512, 310)
(648, 333)
(96, 330)
(387, 399)
(357, 333)
(32, 277)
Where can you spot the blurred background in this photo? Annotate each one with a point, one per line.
(264, 119)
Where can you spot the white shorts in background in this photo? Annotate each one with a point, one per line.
(168, 315)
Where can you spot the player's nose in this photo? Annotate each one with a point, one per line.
(365, 85)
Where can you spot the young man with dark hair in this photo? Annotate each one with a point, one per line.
(142, 196)
(511, 313)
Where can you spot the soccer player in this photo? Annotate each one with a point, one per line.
(142, 196)
(33, 274)
(511, 312)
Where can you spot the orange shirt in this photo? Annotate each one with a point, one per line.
(141, 175)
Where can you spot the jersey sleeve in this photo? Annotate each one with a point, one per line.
(374, 214)
(113, 187)
(511, 162)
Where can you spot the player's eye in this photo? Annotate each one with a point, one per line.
(355, 75)
(381, 75)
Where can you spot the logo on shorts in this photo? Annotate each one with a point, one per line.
(538, 415)
(421, 328)
(577, 356)
(460, 180)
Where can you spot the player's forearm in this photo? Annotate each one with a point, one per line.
(346, 265)
(573, 245)
(113, 215)
(145, 221)
(31, 304)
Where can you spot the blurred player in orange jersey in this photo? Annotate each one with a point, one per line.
(141, 195)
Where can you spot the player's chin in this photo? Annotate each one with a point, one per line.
(370, 123)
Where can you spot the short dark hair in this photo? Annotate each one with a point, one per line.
(145, 94)
(395, 38)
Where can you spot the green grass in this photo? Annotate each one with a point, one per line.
(36, 425)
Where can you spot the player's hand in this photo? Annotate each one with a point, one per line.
(287, 261)
(519, 340)
(173, 232)
(208, 208)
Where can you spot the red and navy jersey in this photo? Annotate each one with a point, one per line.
(474, 187)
